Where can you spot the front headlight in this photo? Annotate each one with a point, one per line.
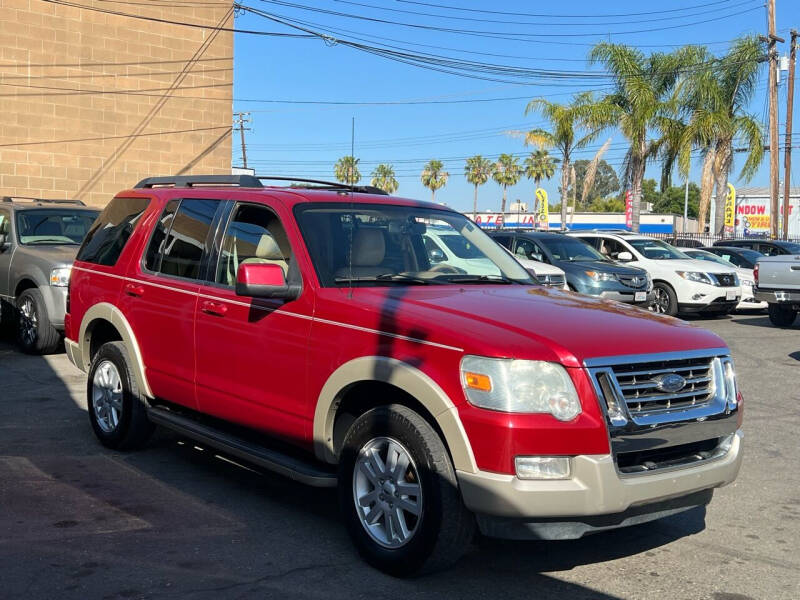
(600, 276)
(60, 277)
(696, 276)
(520, 386)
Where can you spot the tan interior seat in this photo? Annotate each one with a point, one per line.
(268, 252)
(368, 252)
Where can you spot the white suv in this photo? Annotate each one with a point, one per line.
(448, 247)
(680, 284)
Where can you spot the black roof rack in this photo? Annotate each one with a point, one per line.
(44, 200)
(334, 185)
(249, 181)
(187, 181)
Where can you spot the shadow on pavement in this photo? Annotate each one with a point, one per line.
(176, 520)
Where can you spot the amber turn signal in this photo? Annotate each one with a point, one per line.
(477, 381)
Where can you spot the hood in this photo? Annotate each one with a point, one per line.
(579, 266)
(539, 268)
(529, 322)
(62, 255)
(693, 264)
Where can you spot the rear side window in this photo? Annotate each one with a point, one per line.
(112, 229)
(186, 242)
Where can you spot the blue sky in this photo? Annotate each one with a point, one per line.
(306, 140)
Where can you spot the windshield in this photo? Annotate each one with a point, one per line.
(703, 255)
(568, 248)
(54, 227)
(656, 249)
(790, 247)
(374, 244)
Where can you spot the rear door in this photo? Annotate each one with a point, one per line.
(251, 352)
(159, 299)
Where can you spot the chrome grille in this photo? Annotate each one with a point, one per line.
(552, 280)
(641, 385)
(635, 281)
(725, 279)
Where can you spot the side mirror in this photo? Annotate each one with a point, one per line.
(625, 256)
(436, 256)
(263, 280)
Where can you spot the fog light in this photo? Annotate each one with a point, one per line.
(542, 467)
(698, 296)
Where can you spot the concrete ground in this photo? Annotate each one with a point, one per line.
(176, 521)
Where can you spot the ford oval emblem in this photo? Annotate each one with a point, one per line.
(670, 382)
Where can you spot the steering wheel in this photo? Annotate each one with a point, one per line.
(443, 268)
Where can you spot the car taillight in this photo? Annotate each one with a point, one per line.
(755, 273)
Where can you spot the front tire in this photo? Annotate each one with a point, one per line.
(664, 300)
(35, 334)
(781, 316)
(117, 409)
(399, 494)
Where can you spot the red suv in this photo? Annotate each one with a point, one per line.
(308, 331)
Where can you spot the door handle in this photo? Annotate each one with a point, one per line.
(213, 308)
(134, 290)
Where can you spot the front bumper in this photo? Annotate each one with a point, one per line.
(55, 301)
(628, 297)
(717, 305)
(510, 507)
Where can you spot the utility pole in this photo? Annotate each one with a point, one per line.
(242, 119)
(686, 204)
(787, 156)
(774, 176)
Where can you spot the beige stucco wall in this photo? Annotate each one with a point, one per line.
(60, 138)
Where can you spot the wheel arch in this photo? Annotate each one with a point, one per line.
(25, 283)
(107, 321)
(425, 396)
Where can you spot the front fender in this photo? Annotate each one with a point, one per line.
(401, 375)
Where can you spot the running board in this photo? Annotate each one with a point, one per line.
(289, 466)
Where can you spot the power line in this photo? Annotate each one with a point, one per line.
(110, 137)
(596, 15)
(106, 64)
(496, 34)
(170, 21)
(594, 21)
(4, 77)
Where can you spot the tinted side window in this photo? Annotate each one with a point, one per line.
(530, 250)
(254, 236)
(4, 220)
(111, 231)
(152, 261)
(503, 240)
(187, 239)
(770, 250)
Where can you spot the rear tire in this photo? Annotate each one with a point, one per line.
(117, 409)
(375, 499)
(665, 302)
(781, 316)
(35, 334)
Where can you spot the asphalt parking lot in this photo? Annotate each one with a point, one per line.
(177, 521)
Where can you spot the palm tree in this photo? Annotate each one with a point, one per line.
(539, 165)
(477, 171)
(717, 97)
(566, 124)
(434, 177)
(507, 172)
(346, 170)
(383, 178)
(642, 86)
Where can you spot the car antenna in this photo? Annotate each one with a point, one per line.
(352, 205)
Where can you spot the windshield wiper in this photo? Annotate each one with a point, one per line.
(467, 278)
(385, 278)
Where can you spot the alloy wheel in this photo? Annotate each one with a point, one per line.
(107, 396)
(387, 492)
(28, 322)
(660, 301)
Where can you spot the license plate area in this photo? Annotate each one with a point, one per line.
(639, 296)
(730, 295)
